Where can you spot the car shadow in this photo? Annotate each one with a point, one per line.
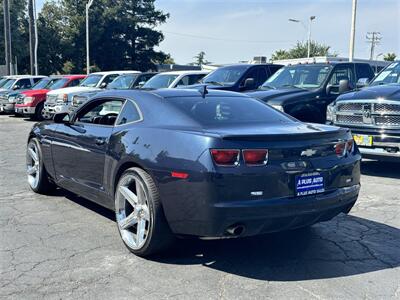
(347, 245)
(380, 168)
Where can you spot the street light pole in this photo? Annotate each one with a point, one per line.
(309, 32)
(36, 37)
(309, 36)
(353, 30)
(88, 4)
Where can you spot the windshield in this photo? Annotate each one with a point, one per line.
(58, 84)
(91, 81)
(228, 110)
(160, 81)
(3, 81)
(299, 76)
(9, 84)
(122, 82)
(389, 75)
(43, 84)
(225, 75)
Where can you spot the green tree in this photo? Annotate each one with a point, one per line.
(390, 56)
(300, 51)
(200, 59)
(19, 34)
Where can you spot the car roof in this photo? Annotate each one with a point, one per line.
(247, 65)
(116, 72)
(25, 76)
(187, 72)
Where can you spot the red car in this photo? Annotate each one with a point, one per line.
(31, 103)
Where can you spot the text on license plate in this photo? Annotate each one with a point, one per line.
(363, 140)
(309, 184)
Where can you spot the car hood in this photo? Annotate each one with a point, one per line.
(70, 90)
(278, 96)
(31, 93)
(388, 92)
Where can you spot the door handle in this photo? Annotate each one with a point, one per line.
(100, 141)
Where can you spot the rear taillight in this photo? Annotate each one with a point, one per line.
(255, 157)
(225, 157)
(343, 148)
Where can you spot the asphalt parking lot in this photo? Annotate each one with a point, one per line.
(63, 247)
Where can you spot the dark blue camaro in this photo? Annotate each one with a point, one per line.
(195, 163)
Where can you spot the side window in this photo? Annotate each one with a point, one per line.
(183, 81)
(74, 82)
(36, 79)
(262, 76)
(24, 83)
(364, 71)
(250, 74)
(193, 79)
(128, 114)
(273, 69)
(101, 112)
(342, 72)
(108, 79)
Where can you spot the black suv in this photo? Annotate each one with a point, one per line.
(239, 77)
(305, 90)
(373, 115)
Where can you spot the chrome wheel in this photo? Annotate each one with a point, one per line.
(33, 165)
(132, 211)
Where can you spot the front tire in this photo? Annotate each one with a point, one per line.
(37, 175)
(139, 214)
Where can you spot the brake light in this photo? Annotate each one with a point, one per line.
(343, 148)
(225, 157)
(255, 157)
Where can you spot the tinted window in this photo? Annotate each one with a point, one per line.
(262, 76)
(227, 110)
(253, 73)
(108, 79)
(100, 112)
(129, 113)
(364, 71)
(273, 69)
(74, 82)
(299, 76)
(190, 79)
(345, 72)
(24, 83)
(225, 75)
(36, 79)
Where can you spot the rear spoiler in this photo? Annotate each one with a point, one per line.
(338, 134)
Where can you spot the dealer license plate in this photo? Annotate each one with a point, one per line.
(363, 140)
(310, 184)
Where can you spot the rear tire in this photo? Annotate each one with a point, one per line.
(140, 218)
(39, 112)
(38, 177)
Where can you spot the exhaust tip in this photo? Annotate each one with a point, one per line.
(235, 230)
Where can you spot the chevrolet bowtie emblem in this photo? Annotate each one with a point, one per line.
(308, 152)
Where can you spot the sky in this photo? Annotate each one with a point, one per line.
(229, 31)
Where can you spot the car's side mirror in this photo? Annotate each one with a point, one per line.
(249, 83)
(103, 85)
(16, 87)
(62, 118)
(344, 86)
(362, 82)
(329, 89)
(140, 84)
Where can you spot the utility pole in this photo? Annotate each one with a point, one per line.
(36, 37)
(31, 36)
(374, 39)
(309, 36)
(353, 30)
(7, 37)
(88, 4)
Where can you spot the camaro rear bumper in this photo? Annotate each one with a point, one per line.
(269, 215)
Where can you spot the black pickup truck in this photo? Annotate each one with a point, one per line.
(373, 115)
(305, 90)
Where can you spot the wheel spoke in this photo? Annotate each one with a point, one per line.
(32, 170)
(33, 154)
(146, 213)
(129, 221)
(141, 229)
(128, 195)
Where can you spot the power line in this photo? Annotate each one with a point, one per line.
(223, 39)
(374, 39)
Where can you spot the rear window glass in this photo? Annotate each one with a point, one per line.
(214, 111)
